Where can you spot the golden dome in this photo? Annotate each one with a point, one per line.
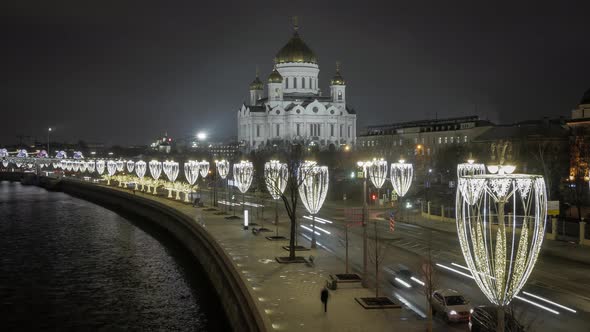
(337, 79)
(296, 51)
(256, 84)
(275, 77)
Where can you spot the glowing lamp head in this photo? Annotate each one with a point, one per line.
(201, 136)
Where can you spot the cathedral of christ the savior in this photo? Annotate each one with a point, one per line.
(294, 110)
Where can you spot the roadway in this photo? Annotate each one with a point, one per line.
(562, 282)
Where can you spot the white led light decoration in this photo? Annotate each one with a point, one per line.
(90, 165)
(171, 169)
(111, 167)
(82, 166)
(243, 174)
(378, 172)
(76, 165)
(100, 164)
(402, 174)
(3, 153)
(313, 183)
(222, 168)
(466, 169)
(69, 165)
(130, 166)
(22, 153)
(120, 165)
(155, 171)
(501, 226)
(191, 171)
(140, 168)
(204, 168)
(276, 176)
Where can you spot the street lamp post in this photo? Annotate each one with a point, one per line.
(48, 132)
(364, 165)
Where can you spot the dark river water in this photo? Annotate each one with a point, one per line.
(67, 264)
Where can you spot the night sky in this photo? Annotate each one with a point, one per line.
(124, 72)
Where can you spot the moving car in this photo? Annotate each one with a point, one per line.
(484, 319)
(451, 304)
(400, 276)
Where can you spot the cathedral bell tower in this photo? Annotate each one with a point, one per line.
(338, 87)
(256, 89)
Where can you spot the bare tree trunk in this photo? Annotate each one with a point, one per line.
(500, 325)
(313, 240)
(376, 262)
(346, 230)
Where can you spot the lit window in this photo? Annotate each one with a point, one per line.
(439, 140)
(452, 139)
(339, 95)
(446, 140)
(465, 139)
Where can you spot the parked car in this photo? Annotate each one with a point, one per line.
(451, 304)
(399, 275)
(485, 319)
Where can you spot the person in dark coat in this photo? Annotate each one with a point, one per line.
(324, 297)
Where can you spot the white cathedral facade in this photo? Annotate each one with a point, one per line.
(294, 110)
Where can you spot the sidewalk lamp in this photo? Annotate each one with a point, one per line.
(49, 130)
(501, 225)
(276, 175)
(313, 188)
(243, 174)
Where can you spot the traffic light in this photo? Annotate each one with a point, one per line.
(373, 196)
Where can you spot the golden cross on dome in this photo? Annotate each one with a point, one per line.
(337, 66)
(295, 21)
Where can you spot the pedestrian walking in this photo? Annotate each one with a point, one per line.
(325, 295)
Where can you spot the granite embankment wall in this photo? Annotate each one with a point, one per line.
(239, 306)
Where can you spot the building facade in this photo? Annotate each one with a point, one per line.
(294, 109)
(420, 138)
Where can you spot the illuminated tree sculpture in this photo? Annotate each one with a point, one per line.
(100, 166)
(223, 170)
(501, 226)
(243, 174)
(313, 189)
(191, 174)
(276, 175)
(111, 170)
(378, 174)
(171, 170)
(140, 168)
(155, 171)
(130, 166)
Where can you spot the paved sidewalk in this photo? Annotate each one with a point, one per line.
(289, 294)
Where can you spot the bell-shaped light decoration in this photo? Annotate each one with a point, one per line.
(120, 165)
(191, 171)
(155, 169)
(222, 168)
(130, 166)
(501, 226)
(275, 176)
(402, 174)
(204, 168)
(243, 174)
(90, 166)
(100, 164)
(170, 169)
(111, 167)
(378, 172)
